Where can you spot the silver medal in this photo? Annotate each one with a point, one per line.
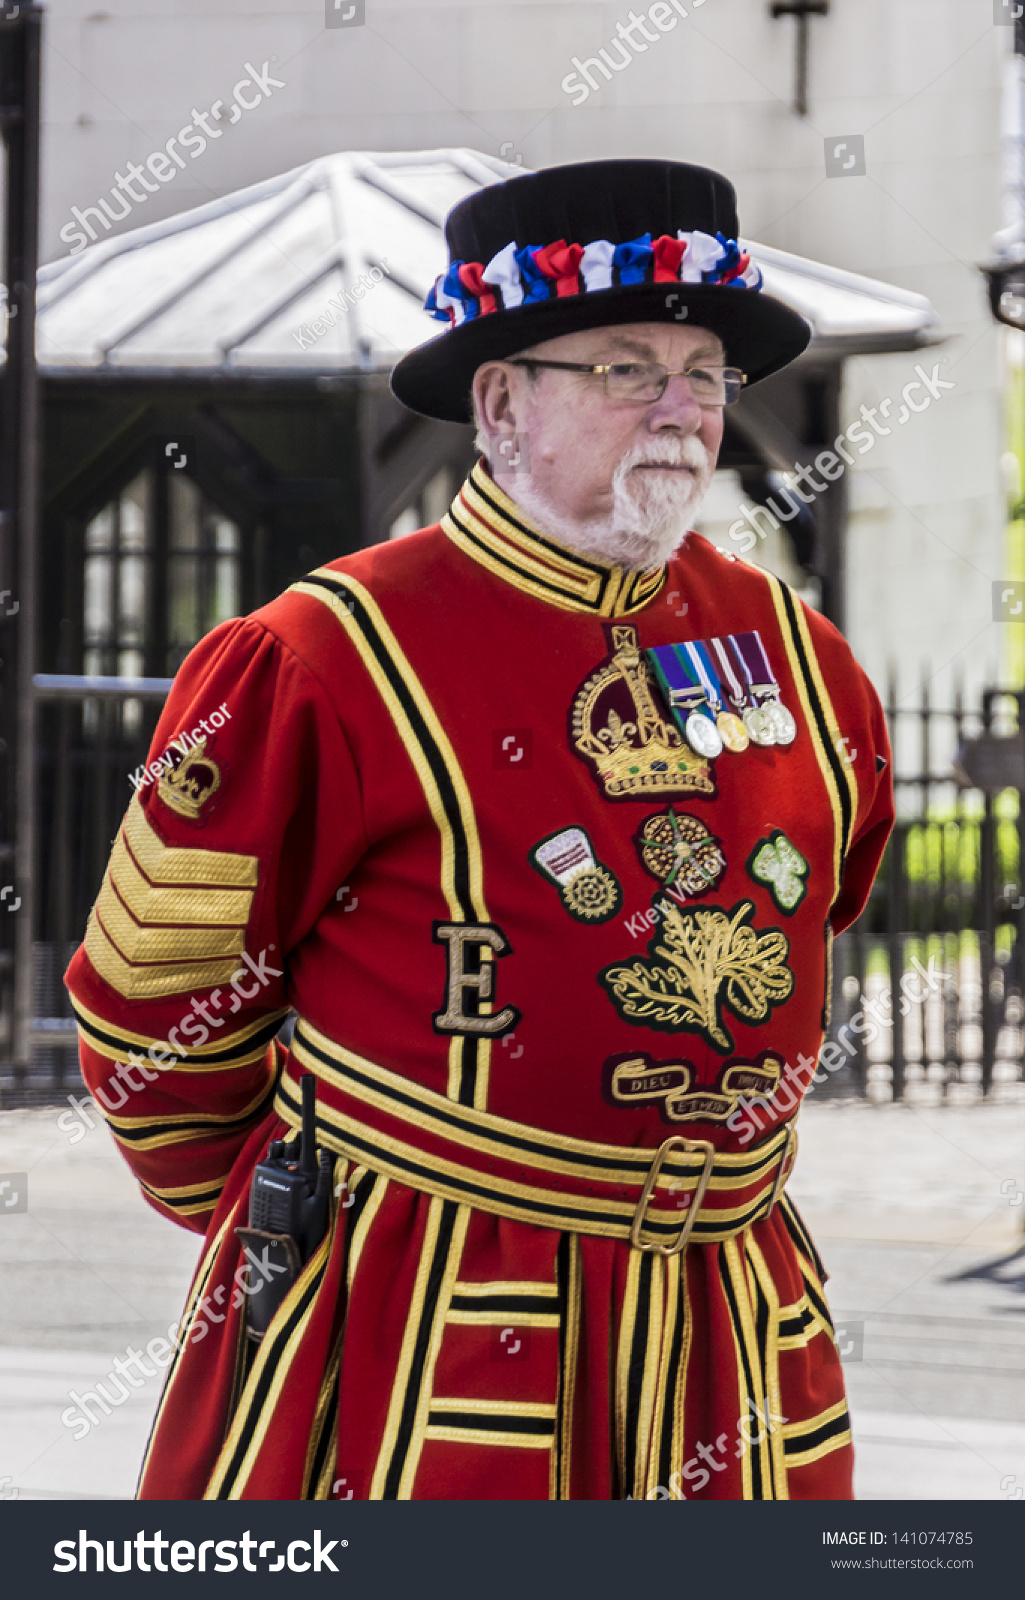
(760, 729)
(703, 735)
(782, 721)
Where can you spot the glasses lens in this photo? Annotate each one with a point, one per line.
(707, 386)
(635, 380)
(638, 380)
(733, 382)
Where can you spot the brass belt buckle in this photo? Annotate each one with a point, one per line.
(789, 1150)
(649, 1184)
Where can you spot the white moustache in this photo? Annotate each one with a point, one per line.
(671, 451)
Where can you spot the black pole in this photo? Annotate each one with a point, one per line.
(20, 34)
(986, 916)
(800, 10)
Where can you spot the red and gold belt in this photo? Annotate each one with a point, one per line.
(386, 1122)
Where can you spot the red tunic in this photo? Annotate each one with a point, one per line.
(432, 800)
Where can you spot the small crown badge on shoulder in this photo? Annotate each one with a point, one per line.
(189, 784)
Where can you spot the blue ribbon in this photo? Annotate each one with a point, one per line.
(453, 285)
(701, 650)
(632, 260)
(535, 285)
(728, 262)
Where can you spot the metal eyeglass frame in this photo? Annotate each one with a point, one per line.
(604, 370)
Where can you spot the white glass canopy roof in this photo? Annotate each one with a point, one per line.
(267, 279)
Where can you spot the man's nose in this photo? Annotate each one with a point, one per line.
(677, 408)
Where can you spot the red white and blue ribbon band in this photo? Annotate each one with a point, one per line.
(524, 276)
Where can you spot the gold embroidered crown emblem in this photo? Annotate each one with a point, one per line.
(189, 785)
(616, 723)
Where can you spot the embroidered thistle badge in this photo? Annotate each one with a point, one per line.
(699, 964)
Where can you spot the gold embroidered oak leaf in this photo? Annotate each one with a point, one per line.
(700, 962)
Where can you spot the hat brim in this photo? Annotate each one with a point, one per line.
(759, 334)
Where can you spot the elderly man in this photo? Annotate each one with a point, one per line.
(542, 822)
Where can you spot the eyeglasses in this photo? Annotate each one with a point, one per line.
(646, 381)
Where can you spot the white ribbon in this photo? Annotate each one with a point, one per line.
(596, 265)
(503, 271)
(694, 657)
(726, 668)
(703, 252)
(448, 302)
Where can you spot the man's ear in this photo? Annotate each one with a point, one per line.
(496, 405)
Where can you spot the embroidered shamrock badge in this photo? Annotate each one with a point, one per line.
(781, 868)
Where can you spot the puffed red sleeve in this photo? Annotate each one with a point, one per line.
(243, 826)
(873, 765)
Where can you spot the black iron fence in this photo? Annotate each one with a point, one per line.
(92, 732)
(928, 984)
(927, 987)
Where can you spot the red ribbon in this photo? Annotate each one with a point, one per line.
(668, 253)
(471, 276)
(735, 272)
(561, 261)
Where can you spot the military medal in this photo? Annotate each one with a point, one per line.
(734, 735)
(703, 735)
(767, 719)
(782, 720)
(689, 684)
(759, 728)
(702, 731)
(682, 688)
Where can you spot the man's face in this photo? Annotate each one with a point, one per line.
(619, 479)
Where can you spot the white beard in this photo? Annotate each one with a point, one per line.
(650, 516)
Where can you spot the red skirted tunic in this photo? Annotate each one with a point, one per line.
(431, 800)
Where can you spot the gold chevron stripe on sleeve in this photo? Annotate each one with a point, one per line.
(188, 903)
(168, 919)
(137, 942)
(164, 863)
(135, 1128)
(147, 982)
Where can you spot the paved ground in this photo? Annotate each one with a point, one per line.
(918, 1214)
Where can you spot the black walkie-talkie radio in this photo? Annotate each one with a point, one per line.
(288, 1213)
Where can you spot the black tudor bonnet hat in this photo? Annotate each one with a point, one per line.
(590, 245)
